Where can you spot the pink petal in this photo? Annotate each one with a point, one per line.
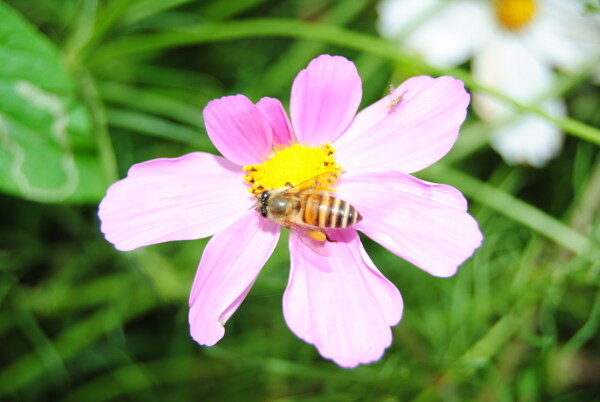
(426, 224)
(229, 266)
(416, 132)
(238, 129)
(340, 303)
(325, 98)
(190, 197)
(280, 124)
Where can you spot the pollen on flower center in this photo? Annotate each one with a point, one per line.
(514, 14)
(291, 165)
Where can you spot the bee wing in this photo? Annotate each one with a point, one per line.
(320, 183)
(319, 247)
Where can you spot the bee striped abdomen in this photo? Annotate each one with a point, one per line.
(324, 211)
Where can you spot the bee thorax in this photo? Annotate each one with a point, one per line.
(278, 205)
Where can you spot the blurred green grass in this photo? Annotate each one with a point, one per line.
(80, 321)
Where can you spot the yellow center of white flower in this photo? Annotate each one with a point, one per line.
(515, 14)
(293, 165)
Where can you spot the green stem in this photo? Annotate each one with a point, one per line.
(230, 30)
(107, 153)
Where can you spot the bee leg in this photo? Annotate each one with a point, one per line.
(318, 235)
(288, 184)
(321, 235)
(329, 238)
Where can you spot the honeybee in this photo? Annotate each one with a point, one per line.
(308, 208)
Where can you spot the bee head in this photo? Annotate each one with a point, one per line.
(264, 198)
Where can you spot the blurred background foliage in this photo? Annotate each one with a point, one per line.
(88, 88)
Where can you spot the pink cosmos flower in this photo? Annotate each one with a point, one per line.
(338, 301)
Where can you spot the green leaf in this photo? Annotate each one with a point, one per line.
(47, 149)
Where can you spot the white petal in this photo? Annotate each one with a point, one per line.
(395, 16)
(506, 65)
(565, 36)
(451, 34)
(530, 139)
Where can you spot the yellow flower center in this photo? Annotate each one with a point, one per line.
(514, 14)
(293, 165)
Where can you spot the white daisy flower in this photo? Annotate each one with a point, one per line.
(514, 45)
